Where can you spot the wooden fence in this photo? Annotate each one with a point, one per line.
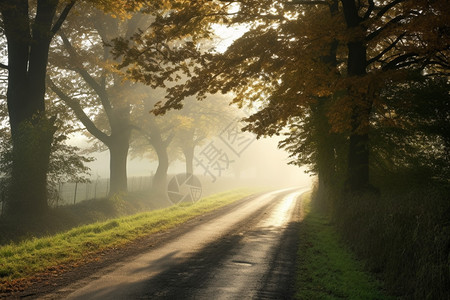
(74, 192)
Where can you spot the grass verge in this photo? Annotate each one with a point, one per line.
(20, 260)
(326, 269)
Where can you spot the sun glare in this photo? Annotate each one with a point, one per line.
(226, 35)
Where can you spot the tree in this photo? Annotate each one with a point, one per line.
(411, 133)
(278, 63)
(263, 59)
(29, 28)
(155, 132)
(116, 96)
(66, 164)
(110, 95)
(202, 120)
(28, 38)
(386, 39)
(313, 143)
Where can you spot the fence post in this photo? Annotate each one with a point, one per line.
(59, 194)
(3, 202)
(75, 195)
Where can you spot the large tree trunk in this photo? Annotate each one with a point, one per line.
(118, 151)
(30, 161)
(325, 154)
(31, 131)
(325, 149)
(189, 157)
(118, 144)
(358, 157)
(159, 183)
(358, 162)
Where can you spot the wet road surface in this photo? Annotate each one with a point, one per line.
(246, 253)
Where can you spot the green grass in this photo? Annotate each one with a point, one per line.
(21, 260)
(326, 269)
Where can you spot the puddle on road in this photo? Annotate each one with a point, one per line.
(242, 263)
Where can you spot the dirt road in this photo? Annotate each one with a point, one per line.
(247, 251)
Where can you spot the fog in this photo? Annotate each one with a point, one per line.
(261, 164)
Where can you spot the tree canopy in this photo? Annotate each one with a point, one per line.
(295, 53)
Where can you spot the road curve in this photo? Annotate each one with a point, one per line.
(246, 253)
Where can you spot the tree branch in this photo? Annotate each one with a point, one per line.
(394, 63)
(386, 50)
(199, 139)
(375, 33)
(101, 92)
(169, 139)
(369, 10)
(3, 66)
(167, 128)
(143, 132)
(62, 17)
(388, 7)
(81, 115)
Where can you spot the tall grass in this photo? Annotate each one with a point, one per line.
(404, 235)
